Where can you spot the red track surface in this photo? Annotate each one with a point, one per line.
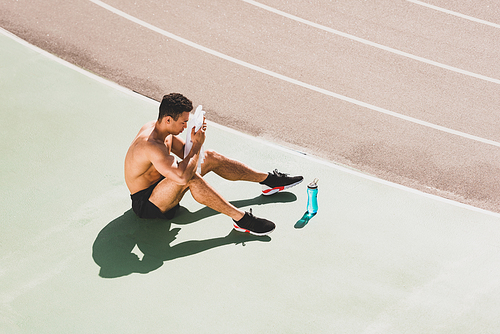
(395, 149)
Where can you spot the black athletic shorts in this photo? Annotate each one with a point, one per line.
(145, 209)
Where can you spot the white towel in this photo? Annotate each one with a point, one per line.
(195, 122)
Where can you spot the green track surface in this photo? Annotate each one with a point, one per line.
(377, 258)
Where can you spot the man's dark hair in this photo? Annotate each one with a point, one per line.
(173, 105)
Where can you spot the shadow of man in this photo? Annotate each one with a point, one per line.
(112, 249)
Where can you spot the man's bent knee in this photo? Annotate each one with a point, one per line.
(212, 160)
(167, 194)
(209, 160)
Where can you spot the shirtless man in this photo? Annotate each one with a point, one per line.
(158, 182)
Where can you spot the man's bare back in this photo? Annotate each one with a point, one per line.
(140, 172)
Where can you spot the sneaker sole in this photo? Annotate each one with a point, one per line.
(266, 191)
(239, 229)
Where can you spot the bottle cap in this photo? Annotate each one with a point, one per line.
(313, 184)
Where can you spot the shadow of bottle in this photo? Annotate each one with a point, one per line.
(304, 220)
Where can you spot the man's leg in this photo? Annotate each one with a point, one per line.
(236, 171)
(167, 194)
(230, 169)
(205, 194)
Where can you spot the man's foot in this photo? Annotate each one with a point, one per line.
(277, 181)
(253, 225)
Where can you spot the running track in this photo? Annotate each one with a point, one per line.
(404, 90)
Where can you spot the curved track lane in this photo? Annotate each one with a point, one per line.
(392, 148)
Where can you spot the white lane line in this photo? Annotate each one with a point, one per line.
(239, 133)
(470, 18)
(291, 80)
(66, 63)
(376, 45)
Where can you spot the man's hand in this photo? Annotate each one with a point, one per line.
(199, 136)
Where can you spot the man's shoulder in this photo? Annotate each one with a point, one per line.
(148, 125)
(143, 138)
(148, 145)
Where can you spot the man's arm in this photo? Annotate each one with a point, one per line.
(178, 146)
(165, 163)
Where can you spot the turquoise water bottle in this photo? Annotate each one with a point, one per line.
(312, 196)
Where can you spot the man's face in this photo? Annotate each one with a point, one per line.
(178, 126)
